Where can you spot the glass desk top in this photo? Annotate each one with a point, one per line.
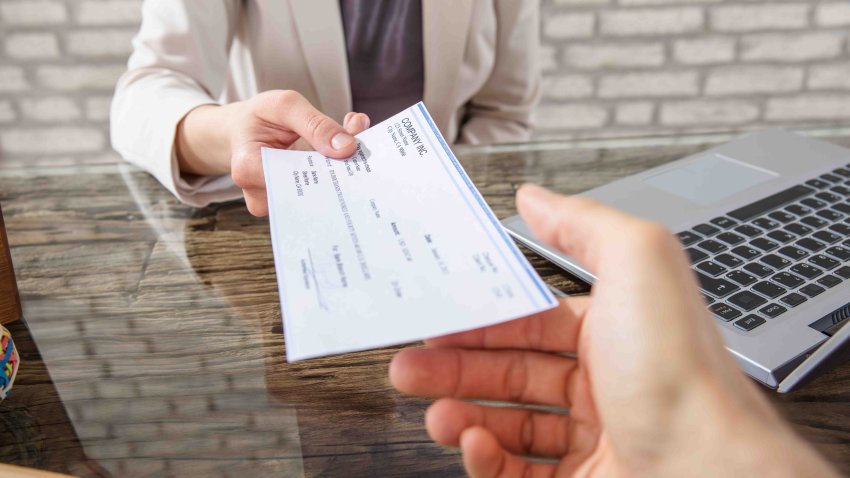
(152, 343)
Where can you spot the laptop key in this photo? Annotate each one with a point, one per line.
(687, 237)
(740, 277)
(793, 252)
(781, 216)
(828, 197)
(712, 246)
(824, 262)
(798, 229)
(772, 310)
(781, 236)
(840, 190)
(768, 289)
(841, 172)
(843, 272)
(749, 322)
(787, 279)
(810, 244)
(771, 202)
(758, 270)
(716, 287)
(798, 210)
(730, 238)
(746, 252)
(814, 222)
(842, 207)
(793, 299)
(812, 290)
(813, 203)
(723, 222)
(839, 228)
(817, 183)
(746, 300)
(728, 260)
(696, 255)
(706, 229)
(806, 270)
(826, 237)
(831, 178)
(724, 311)
(775, 261)
(748, 230)
(764, 244)
(711, 268)
(840, 252)
(829, 281)
(830, 215)
(766, 223)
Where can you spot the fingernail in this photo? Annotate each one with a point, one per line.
(341, 141)
(364, 122)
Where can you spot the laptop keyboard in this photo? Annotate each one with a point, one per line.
(761, 260)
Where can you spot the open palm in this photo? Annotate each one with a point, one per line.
(630, 372)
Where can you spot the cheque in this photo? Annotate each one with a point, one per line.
(392, 245)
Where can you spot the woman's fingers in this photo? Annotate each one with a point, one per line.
(291, 110)
(257, 202)
(247, 165)
(356, 123)
(484, 458)
(554, 330)
(519, 431)
(510, 376)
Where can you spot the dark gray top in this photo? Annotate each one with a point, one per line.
(385, 61)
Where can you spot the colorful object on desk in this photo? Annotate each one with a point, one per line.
(9, 363)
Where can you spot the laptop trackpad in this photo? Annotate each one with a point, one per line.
(709, 179)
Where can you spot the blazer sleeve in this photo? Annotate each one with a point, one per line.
(179, 62)
(501, 111)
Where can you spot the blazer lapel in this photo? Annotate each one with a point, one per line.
(445, 27)
(319, 27)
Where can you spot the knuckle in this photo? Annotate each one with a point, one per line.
(287, 98)
(534, 332)
(240, 168)
(527, 433)
(652, 237)
(316, 123)
(516, 378)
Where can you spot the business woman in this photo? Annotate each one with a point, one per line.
(211, 81)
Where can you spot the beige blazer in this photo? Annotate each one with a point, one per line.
(481, 76)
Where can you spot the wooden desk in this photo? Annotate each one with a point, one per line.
(159, 326)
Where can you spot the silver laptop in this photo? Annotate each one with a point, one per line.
(766, 222)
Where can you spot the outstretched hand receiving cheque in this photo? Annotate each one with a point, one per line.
(651, 390)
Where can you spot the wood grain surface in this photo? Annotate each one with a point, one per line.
(10, 306)
(156, 347)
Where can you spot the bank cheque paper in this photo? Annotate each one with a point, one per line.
(392, 245)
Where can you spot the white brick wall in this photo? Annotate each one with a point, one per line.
(655, 21)
(611, 67)
(682, 66)
(26, 46)
(767, 16)
(745, 79)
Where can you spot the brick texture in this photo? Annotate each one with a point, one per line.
(611, 68)
(687, 66)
